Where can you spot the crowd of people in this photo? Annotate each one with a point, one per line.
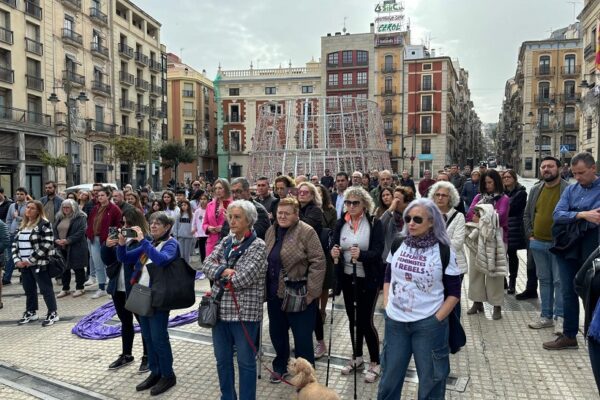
(294, 242)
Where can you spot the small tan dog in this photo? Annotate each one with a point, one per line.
(305, 380)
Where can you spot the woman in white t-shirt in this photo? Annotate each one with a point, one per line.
(418, 296)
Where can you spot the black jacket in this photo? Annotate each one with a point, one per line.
(371, 259)
(516, 226)
(76, 252)
(587, 286)
(4, 209)
(313, 216)
(262, 224)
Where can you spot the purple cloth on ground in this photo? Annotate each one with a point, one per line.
(92, 326)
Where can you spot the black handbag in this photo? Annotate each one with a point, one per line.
(56, 265)
(172, 285)
(139, 301)
(208, 311)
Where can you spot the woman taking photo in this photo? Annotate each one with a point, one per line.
(310, 206)
(517, 195)
(485, 286)
(416, 308)
(215, 214)
(386, 196)
(358, 239)
(119, 287)
(161, 251)
(239, 258)
(33, 245)
(69, 232)
(296, 262)
(391, 220)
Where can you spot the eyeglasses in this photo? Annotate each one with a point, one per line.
(441, 195)
(237, 191)
(353, 203)
(417, 219)
(303, 191)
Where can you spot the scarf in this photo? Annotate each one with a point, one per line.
(233, 248)
(421, 242)
(353, 225)
(489, 198)
(139, 266)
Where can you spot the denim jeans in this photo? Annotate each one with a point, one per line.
(302, 324)
(9, 265)
(567, 269)
(156, 337)
(225, 336)
(594, 351)
(98, 264)
(31, 281)
(427, 341)
(548, 275)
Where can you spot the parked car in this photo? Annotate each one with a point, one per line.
(88, 187)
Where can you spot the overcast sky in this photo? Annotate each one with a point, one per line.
(484, 35)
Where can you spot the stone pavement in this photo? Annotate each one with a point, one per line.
(502, 359)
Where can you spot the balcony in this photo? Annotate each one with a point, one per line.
(233, 119)
(155, 65)
(388, 92)
(428, 108)
(125, 51)
(389, 111)
(427, 87)
(12, 3)
(98, 16)
(141, 84)
(100, 87)
(33, 10)
(141, 58)
(72, 4)
(99, 50)
(127, 105)
(389, 132)
(155, 90)
(544, 71)
(142, 109)
(7, 75)
(572, 126)
(74, 78)
(126, 78)
(35, 83)
(188, 113)
(9, 153)
(351, 86)
(20, 116)
(589, 51)
(156, 113)
(97, 126)
(188, 130)
(389, 68)
(34, 46)
(72, 37)
(6, 36)
(571, 70)
(570, 98)
(127, 131)
(188, 93)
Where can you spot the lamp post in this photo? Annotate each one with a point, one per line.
(69, 103)
(538, 135)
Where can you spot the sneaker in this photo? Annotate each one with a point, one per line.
(78, 293)
(51, 318)
(90, 282)
(99, 293)
(276, 378)
(62, 293)
(527, 294)
(144, 365)
(558, 326)
(373, 373)
(541, 323)
(320, 349)
(351, 366)
(122, 361)
(562, 342)
(28, 316)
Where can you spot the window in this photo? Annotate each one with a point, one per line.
(307, 89)
(388, 126)
(270, 90)
(388, 85)
(388, 106)
(425, 146)
(99, 110)
(347, 78)
(234, 141)
(347, 100)
(588, 135)
(234, 91)
(347, 57)
(426, 85)
(426, 124)
(33, 68)
(361, 78)
(275, 108)
(426, 67)
(388, 65)
(188, 127)
(361, 96)
(32, 31)
(34, 109)
(234, 113)
(528, 163)
(333, 59)
(362, 57)
(544, 118)
(389, 143)
(189, 143)
(188, 89)
(544, 65)
(332, 80)
(544, 91)
(69, 23)
(570, 64)
(427, 103)
(98, 154)
(569, 90)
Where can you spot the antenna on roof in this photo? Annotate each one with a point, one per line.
(574, 3)
(344, 29)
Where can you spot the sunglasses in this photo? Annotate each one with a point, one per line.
(417, 219)
(354, 203)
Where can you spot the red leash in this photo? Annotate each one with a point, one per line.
(249, 339)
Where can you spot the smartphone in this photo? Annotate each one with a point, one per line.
(128, 233)
(113, 232)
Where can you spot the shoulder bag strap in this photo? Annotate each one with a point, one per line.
(451, 219)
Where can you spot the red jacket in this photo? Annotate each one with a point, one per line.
(112, 217)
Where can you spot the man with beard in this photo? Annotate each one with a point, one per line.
(51, 201)
(537, 217)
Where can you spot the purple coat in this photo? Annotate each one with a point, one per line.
(502, 206)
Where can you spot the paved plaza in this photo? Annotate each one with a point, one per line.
(502, 359)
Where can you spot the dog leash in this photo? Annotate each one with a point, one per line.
(274, 374)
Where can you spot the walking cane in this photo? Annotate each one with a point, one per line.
(355, 341)
(335, 263)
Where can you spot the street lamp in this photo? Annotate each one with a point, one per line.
(538, 135)
(70, 103)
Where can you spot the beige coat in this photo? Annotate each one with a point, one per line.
(487, 253)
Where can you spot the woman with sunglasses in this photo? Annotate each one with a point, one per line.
(516, 226)
(487, 284)
(216, 212)
(358, 244)
(418, 296)
(310, 206)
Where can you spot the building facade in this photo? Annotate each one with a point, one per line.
(192, 119)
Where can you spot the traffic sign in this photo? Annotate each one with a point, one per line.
(564, 149)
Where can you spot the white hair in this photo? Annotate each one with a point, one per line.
(247, 207)
(454, 197)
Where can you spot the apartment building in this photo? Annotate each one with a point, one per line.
(240, 94)
(192, 119)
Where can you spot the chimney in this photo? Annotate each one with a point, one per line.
(329, 35)
(338, 34)
(372, 27)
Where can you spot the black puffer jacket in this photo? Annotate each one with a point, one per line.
(516, 227)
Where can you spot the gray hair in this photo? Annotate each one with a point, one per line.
(585, 158)
(243, 181)
(439, 225)
(315, 193)
(363, 195)
(247, 207)
(161, 217)
(454, 197)
(74, 206)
